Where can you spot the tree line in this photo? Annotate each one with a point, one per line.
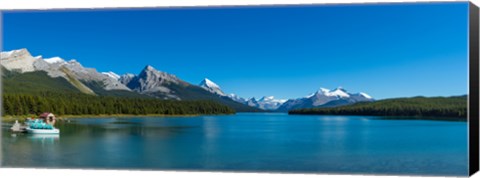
(416, 106)
(82, 104)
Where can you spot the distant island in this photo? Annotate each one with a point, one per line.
(454, 107)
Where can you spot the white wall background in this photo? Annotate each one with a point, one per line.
(48, 4)
(66, 173)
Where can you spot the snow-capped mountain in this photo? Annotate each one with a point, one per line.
(265, 103)
(271, 99)
(153, 82)
(325, 98)
(158, 84)
(74, 68)
(211, 87)
(252, 102)
(270, 103)
(22, 61)
(18, 60)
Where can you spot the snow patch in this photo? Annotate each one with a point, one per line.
(38, 57)
(340, 92)
(111, 75)
(209, 83)
(54, 60)
(365, 95)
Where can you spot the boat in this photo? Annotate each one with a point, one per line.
(42, 131)
(42, 125)
(37, 126)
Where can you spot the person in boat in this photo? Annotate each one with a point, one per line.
(16, 127)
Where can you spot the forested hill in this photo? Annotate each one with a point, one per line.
(35, 92)
(455, 107)
(82, 104)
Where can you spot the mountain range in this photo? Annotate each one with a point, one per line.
(149, 82)
(20, 66)
(323, 98)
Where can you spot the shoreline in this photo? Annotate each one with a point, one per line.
(22, 118)
(399, 117)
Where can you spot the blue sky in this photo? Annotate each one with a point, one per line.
(385, 50)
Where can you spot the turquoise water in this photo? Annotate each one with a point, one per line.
(248, 142)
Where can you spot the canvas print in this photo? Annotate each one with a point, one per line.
(321, 89)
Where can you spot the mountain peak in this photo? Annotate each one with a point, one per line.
(340, 92)
(20, 60)
(149, 68)
(323, 90)
(340, 89)
(211, 86)
(14, 53)
(209, 83)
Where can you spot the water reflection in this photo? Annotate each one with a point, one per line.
(247, 142)
(339, 119)
(44, 138)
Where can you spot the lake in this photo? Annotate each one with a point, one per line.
(248, 142)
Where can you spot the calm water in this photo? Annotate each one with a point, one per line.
(248, 143)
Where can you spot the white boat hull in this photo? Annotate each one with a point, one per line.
(43, 131)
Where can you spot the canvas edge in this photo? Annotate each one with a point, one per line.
(1, 86)
(473, 95)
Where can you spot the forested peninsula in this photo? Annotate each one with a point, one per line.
(454, 107)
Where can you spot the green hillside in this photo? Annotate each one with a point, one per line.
(76, 83)
(34, 82)
(453, 107)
